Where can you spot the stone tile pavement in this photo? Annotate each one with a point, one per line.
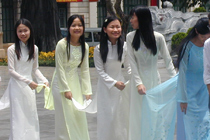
(46, 117)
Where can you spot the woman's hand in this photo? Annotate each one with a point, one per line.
(68, 95)
(120, 85)
(33, 85)
(141, 89)
(183, 107)
(87, 97)
(47, 84)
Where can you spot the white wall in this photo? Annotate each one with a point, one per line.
(85, 8)
(0, 16)
(93, 15)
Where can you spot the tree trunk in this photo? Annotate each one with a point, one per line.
(109, 7)
(119, 13)
(43, 14)
(123, 17)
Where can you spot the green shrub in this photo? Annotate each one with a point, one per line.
(199, 9)
(189, 30)
(91, 53)
(176, 39)
(47, 63)
(3, 61)
(91, 62)
(48, 59)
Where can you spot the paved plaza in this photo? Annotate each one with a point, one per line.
(46, 117)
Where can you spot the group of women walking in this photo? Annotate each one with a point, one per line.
(134, 108)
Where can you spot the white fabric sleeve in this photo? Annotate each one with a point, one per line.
(206, 62)
(181, 83)
(126, 60)
(132, 60)
(99, 65)
(166, 56)
(85, 73)
(60, 52)
(38, 75)
(11, 66)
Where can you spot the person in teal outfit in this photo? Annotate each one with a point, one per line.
(192, 93)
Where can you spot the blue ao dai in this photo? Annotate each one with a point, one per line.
(193, 91)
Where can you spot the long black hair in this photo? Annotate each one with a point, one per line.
(81, 39)
(202, 27)
(30, 41)
(145, 30)
(104, 37)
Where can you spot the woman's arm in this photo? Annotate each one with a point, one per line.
(85, 73)
(60, 52)
(126, 60)
(181, 83)
(165, 55)
(38, 75)
(108, 81)
(139, 84)
(132, 60)
(11, 66)
(206, 63)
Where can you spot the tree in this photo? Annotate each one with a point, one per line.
(190, 3)
(43, 14)
(119, 13)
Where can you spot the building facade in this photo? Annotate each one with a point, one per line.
(93, 11)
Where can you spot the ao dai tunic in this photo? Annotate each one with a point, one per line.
(206, 61)
(192, 90)
(112, 104)
(70, 124)
(144, 71)
(23, 119)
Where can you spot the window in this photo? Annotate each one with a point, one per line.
(7, 21)
(62, 12)
(102, 12)
(96, 36)
(62, 17)
(88, 37)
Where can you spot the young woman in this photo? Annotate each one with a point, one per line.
(22, 63)
(192, 92)
(71, 52)
(144, 46)
(112, 93)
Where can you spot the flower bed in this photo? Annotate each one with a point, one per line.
(48, 58)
